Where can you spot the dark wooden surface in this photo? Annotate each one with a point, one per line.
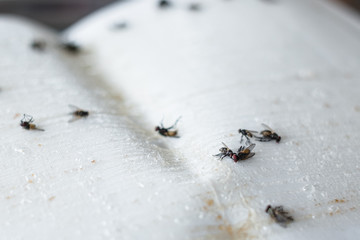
(60, 14)
(352, 3)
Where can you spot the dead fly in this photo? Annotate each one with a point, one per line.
(245, 153)
(71, 47)
(164, 4)
(77, 113)
(268, 134)
(279, 215)
(38, 45)
(246, 133)
(27, 123)
(166, 131)
(242, 153)
(225, 152)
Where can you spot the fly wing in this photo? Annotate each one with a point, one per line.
(28, 118)
(174, 125)
(262, 139)
(73, 107)
(73, 119)
(250, 155)
(177, 120)
(161, 123)
(267, 127)
(225, 145)
(251, 147)
(39, 129)
(283, 218)
(252, 131)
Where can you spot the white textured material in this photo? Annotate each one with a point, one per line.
(235, 64)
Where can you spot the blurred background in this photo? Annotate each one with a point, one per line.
(60, 14)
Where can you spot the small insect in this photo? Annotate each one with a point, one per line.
(38, 44)
(245, 153)
(78, 113)
(242, 153)
(268, 134)
(120, 25)
(27, 123)
(71, 47)
(279, 215)
(166, 131)
(246, 133)
(224, 152)
(164, 4)
(195, 7)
